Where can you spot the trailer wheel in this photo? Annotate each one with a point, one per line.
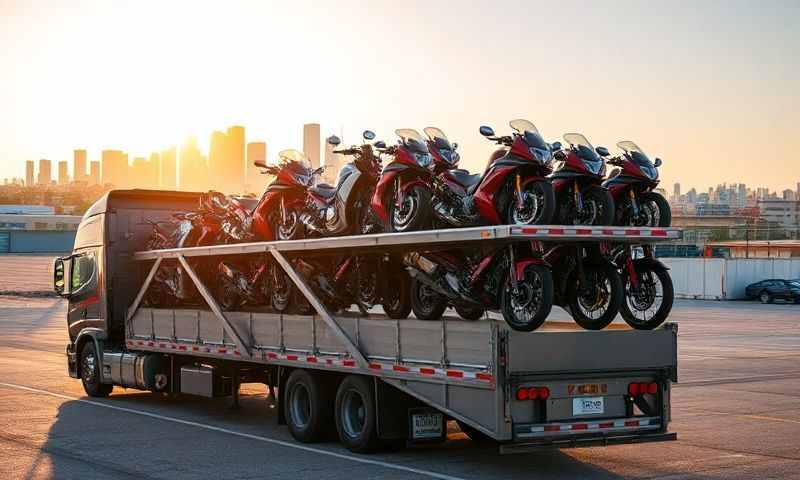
(426, 303)
(90, 372)
(307, 407)
(355, 414)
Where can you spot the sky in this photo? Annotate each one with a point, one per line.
(710, 87)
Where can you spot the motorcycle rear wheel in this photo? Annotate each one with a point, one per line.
(527, 308)
(639, 301)
(397, 296)
(426, 303)
(604, 295)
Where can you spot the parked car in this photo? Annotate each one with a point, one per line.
(768, 290)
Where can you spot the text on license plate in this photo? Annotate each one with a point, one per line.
(587, 406)
(427, 425)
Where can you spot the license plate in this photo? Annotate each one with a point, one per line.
(587, 406)
(427, 425)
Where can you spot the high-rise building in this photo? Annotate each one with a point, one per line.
(94, 173)
(193, 168)
(79, 166)
(115, 168)
(144, 172)
(29, 173)
(63, 172)
(168, 179)
(217, 159)
(256, 151)
(676, 193)
(236, 158)
(311, 146)
(45, 175)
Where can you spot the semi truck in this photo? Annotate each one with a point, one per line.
(371, 379)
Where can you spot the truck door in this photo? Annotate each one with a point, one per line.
(84, 298)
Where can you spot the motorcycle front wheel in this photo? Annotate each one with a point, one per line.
(654, 211)
(526, 307)
(414, 213)
(536, 207)
(397, 296)
(647, 305)
(594, 305)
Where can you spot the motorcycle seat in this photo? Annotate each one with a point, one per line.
(323, 190)
(464, 178)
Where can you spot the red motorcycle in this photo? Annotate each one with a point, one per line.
(633, 187)
(580, 196)
(402, 198)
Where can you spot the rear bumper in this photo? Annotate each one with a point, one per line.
(587, 441)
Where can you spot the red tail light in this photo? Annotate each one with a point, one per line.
(635, 389)
(533, 393)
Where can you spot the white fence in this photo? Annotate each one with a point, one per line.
(725, 278)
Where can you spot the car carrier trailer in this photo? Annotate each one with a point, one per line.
(374, 378)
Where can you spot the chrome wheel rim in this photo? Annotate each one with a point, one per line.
(595, 300)
(427, 298)
(645, 300)
(287, 229)
(354, 414)
(300, 405)
(530, 210)
(404, 213)
(89, 367)
(526, 298)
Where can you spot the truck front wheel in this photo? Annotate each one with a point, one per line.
(90, 372)
(355, 414)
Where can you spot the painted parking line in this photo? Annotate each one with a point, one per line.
(212, 428)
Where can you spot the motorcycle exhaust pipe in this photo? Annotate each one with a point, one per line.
(427, 280)
(415, 260)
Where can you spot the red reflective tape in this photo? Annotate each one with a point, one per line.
(162, 345)
(555, 231)
(182, 347)
(552, 428)
(173, 346)
(455, 373)
(580, 426)
(606, 425)
(222, 350)
(427, 371)
(608, 231)
(291, 357)
(194, 349)
(632, 423)
(399, 368)
(237, 352)
(272, 355)
(484, 376)
(529, 230)
(583, 231)
(658, 233)
(140, 342)
(375, 366)
(349, 363)
(150, 344)
(311, 359)
(632, 232)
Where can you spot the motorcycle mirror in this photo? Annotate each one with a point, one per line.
(260, 164)
(368, 135)
(486, 131)
(380, 144)
(602, 151)
(555, 146)
(334, 140)
(657, 162)
(455, 145)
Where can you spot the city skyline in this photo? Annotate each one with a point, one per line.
(709, 88)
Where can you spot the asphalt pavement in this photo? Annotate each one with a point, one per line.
(736, 410)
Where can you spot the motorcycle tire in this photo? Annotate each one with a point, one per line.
(281, 298)
(664, 212)
(295, 232)
(227, 297)
(397, 297)
(614, 296)
(644, 274)
(536, 289)
(426, 303)
(545, 194)
(469, 313)
(419, 218)
(604, 201)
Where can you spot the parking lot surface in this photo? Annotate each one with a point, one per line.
(736, 410)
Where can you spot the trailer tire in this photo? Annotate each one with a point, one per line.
(356, 415)
(90, 372)
(307, 407)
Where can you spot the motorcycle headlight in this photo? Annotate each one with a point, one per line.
(447, 154)
(594, 167)
(650, 171)
(423, 159)
(545, 157)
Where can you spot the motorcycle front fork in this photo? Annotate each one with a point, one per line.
(578, 196)
(634, 204)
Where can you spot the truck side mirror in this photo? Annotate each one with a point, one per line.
(61, 275)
